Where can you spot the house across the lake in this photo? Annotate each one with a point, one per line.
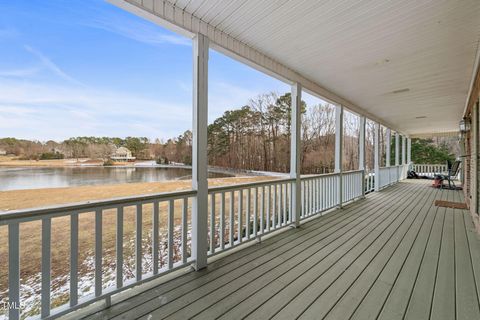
(122, 154)
(3, 152)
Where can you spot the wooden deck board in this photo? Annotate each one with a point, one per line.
(473, 242)
(399, 296)
(352, 298)
(392, 256)
(354, 262)
(443, 305)
(421, 297)
(285, 272)
(466, 291)
(321, 271)
(371, 262)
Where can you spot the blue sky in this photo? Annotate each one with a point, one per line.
(71, 67)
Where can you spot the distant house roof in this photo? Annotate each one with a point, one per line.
(122, 153)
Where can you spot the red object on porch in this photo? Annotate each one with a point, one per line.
(437, 182)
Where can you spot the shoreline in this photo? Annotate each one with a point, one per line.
(34, 198)
(89, 163)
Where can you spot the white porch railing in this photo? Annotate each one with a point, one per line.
(243, 212)
(237, 214)
(162, 205)
(429, 169)
(352, 185)
(369, 182)
(319, 193)
(391, 175)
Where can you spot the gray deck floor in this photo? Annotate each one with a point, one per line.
(392, 256)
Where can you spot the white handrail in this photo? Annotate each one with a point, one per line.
(429, 170)
(64, 209)
(390, 175)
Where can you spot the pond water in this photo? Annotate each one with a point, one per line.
(42, 177)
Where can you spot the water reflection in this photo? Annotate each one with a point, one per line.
(36, 178)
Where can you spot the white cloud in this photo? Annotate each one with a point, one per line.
(141, 31)
(21, 72)
(50, 65)
(225, 96)
(43, 111)
(16, 110)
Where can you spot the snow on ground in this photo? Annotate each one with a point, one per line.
(30, 289)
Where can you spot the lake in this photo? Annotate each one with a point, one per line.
(57, 177)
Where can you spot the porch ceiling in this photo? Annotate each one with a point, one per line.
(409, 63)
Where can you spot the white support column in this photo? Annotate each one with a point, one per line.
(397, 148)
(361, 144)
(474, 165)
(295, 149)
(199, 152)
(376, 156)
(462, 152)
(387, 147)
(339, 150)
(361, 151)
(404, 152)
(409, 150)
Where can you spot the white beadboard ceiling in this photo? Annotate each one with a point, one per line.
(398, 60)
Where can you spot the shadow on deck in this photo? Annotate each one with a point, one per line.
(392, 256)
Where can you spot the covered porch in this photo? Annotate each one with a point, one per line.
(344, 245)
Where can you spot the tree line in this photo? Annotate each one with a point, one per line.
(255, 136)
